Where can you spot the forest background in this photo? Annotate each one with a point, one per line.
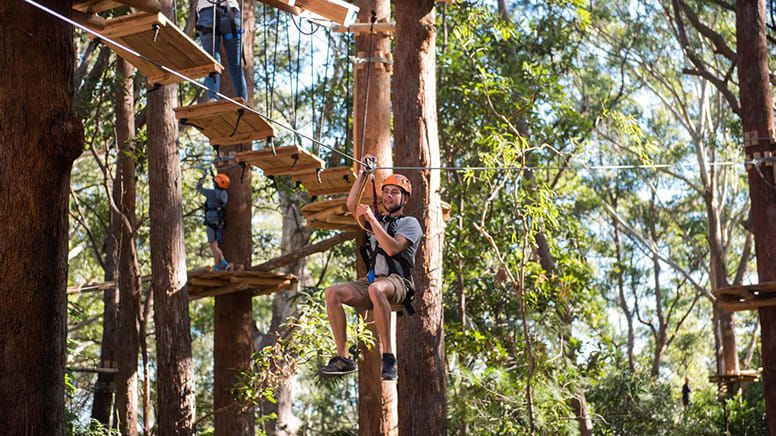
(586, 275)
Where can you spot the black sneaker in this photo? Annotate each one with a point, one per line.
(338, 366)
(389, 367)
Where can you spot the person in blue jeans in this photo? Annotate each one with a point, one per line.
(227, 28)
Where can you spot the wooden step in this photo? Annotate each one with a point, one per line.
(746, 376)
(283, 5)
(330, 181)
(746, 297)
(217, 121)
(287, 160)
(213, 283)
(332, 214)
(94, 6)
(337, 11)
(172, 48)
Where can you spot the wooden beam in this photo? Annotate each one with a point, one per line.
(283, 5)
(95, 370)
(338, 11)
(94, 6)
(91, 21)
(365, 27)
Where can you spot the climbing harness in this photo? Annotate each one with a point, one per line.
(220, 7)
(396, 264)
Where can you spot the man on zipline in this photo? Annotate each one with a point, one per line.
(389, 255)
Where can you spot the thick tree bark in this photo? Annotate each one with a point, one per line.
(40, 137)
(422, 383)
(718, 279)
(377, 408)
(233, 314)
(129, 281)
(102, 404)
(757, 120)
(295, 236)
(175, 370)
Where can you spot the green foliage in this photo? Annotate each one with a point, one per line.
(632, 403)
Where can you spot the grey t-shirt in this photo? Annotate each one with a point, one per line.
(407, 226)
(215, 198)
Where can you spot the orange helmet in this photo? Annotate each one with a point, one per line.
(222, 181)
(400, 181)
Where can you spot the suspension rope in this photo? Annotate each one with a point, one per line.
(325, 82)
(274, 65)
(312, 82)
(348, 100)
(299, 27)
(366, 91)
(265, 56)
(188, 79)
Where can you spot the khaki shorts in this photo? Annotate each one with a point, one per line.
(362, 287)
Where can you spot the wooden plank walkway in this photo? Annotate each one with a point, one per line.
(158, 39)
(94, 6)
(213, 283)
(330, 181)
(217, 121)
(287, 160)
(746, 297)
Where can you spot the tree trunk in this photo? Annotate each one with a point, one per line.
(757, 121)
(40, 137)
(102, 406)
(175, 370)
(233, 313)
(718, 279)
(129, 275)
(377, 408)
(295, 236)
(422, 382)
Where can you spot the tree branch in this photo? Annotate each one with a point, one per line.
(654, 250)
(305, 251)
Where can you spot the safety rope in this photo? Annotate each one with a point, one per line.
(366, 91)
(323, 90)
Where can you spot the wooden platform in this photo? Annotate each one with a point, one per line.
(172, 48)
(330, 181)
(94, 6)
(337, 11)
(745, 376)
(332, 214)
(217, 121)
(286, 160)
(213, 283)
(746, 297)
